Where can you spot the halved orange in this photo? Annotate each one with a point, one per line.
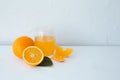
(33, 55)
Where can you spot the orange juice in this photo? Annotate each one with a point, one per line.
(46, 43)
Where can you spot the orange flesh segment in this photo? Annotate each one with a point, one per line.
(58, 58)
(59, 50)
(67, 52)
(61, 54)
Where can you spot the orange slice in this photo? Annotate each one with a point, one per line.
(60, 54)
(59, 50)
(33, 55)
(58, 58)
(67, 52)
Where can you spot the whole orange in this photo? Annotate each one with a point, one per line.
(20, 44)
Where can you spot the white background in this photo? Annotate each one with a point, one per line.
(86, 63)
(76, 22)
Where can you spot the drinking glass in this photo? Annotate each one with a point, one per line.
(45, 40)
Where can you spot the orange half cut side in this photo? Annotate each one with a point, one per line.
(33, 55)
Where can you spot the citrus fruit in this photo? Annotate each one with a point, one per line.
(33, 55)
(59, 50)
(20, 44)
(60, 54)
(67, 52)
(58, 58)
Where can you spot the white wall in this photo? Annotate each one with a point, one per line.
(80, 22)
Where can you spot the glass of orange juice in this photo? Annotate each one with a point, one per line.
(45, 40)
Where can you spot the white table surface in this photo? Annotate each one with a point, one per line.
(86, 63)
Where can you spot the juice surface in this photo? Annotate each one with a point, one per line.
(46, 43)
